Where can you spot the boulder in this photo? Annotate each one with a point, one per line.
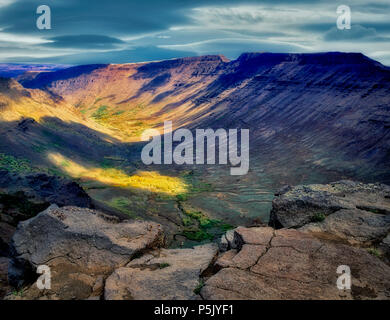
(353, 226)
(347, 211)
(226, 242)
(164, 274)
(80, 246)
(295, 265)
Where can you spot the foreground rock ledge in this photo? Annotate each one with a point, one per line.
(289, 264)
(165, 274)
(81, 246)
(345, 211)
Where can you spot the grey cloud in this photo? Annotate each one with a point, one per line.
(85, 41)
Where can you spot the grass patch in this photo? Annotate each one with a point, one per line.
(197, 235)
(199, 286)
(318, 217)
(18, 293)
(100, 113)
(375, 252)
(182, 197)
(13, 164)
(199, 227)
(122, 204)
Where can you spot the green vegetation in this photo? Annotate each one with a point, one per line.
(100, 113)
(122, 204)
(163, 265)
(197, 235)
(18, 293)
(318, 217)
(65, 163)
(13, 164)
(196, 186)
(182, 197)
(199, 227)
(118, 113)
(375, 252)
(199, 286)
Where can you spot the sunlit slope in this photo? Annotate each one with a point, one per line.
(313, 118)
(323, 103)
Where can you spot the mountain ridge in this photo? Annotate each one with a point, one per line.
(312, 119)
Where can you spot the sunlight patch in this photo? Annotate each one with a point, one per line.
(145, 180)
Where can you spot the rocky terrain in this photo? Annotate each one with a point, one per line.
(85, 123)
(71, 137)
(96, 256)
(317, 104)
(24, 196)
(347, 211)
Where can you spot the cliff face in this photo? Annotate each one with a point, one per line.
(318, 104)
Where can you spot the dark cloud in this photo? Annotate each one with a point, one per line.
(116, 17)
(85, 41)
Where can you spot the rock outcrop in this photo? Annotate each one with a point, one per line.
(43, 188)
(165, 274)
(95, 256)
(24, 196)
(347, 211)
(290, 264)
(81, 247)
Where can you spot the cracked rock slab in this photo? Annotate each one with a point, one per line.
(347, 211)
(166, 274)
(296, 265)
(352, 226)
(80, 246)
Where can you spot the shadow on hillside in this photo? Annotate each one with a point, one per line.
(32, 140)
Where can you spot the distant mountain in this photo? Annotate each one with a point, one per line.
(332, 108)
(11, 70)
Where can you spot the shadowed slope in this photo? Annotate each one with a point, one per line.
(326, 103)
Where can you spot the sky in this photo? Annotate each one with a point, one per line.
(125, 31)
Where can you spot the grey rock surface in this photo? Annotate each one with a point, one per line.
(294, 265)
(348, 211)
(79, 245)
(166, 274)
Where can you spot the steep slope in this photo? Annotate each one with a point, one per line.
(314, 102)
(32, 120)
(337, 100)
(313, 118)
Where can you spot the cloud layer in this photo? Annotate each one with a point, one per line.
(124, 31)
